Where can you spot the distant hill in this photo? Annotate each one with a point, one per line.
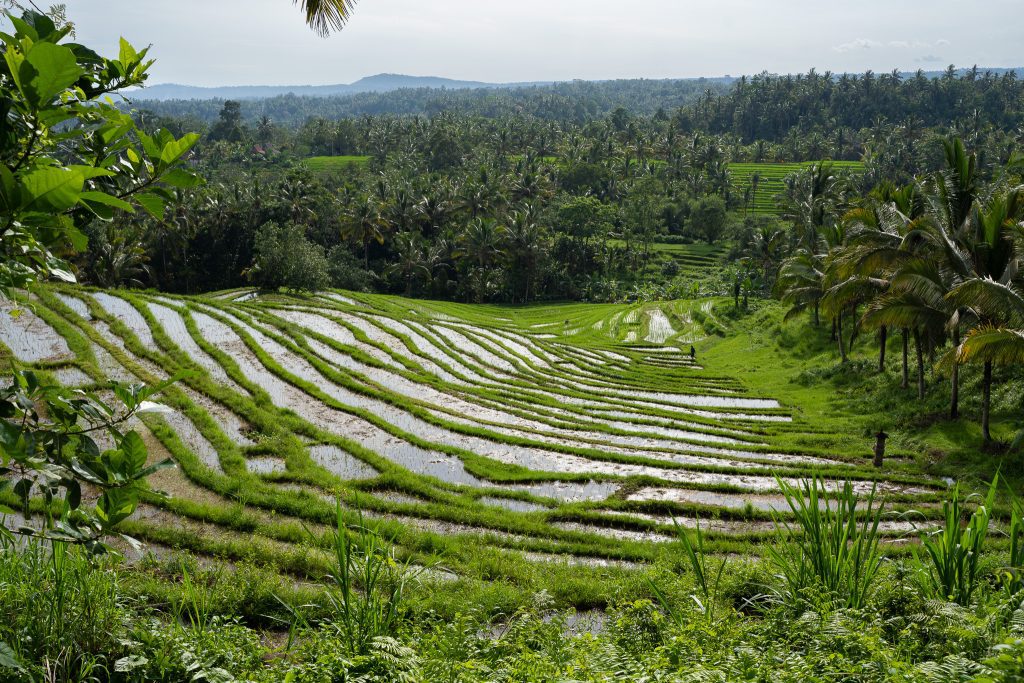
(385, 83)
(371, 84)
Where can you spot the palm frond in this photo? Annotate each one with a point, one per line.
(992, 299)
(849, 292)
(324, 16)
(998, 345)
(903, 309)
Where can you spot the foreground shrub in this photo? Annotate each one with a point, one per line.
(954, 551)
(830, 545)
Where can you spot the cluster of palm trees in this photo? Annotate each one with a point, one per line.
(938, 261)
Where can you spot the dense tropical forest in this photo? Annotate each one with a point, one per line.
(631, 380)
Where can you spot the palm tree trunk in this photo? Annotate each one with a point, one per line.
(920, 363)
(817, 317)
(906, 370)
(954, 380)
(855, 331)
(883, 336)
(986, 403)
(839, 334)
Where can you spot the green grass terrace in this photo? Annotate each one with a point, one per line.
(770, 180)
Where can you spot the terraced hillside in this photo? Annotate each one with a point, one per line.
(770, 180)
(476, 435)
(335, 164)
(693, 260)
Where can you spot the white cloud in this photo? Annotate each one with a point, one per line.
(916, 44)
(858, 44)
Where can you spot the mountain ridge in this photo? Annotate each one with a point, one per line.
(388, 82)
(383, 82)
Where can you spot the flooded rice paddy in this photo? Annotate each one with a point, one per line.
(516, 417)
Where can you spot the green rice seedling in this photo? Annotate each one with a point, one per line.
(1011, 576)
(954, 550)
(829, 545)
(367, 587)
(194, 607)
(1014, 579)
(707, 578)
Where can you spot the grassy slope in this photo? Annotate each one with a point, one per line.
(799, 365)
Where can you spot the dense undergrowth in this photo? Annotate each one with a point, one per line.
(953, 613)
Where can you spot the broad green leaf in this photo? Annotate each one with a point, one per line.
(8, 190)
(164, 464)
(52, 188)
(130, 663)
(148, 145)
(153, 204)
(14, 61)
(134, 451)
(127, 54)
(173, 150)
(54, 69)
(63, 275)
(79, 241)
(183, 179)
(107, 200)
(9, 660)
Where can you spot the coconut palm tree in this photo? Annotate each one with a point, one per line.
(526, 246)
(363, 224)
(915, 300)
(989, 292)
(999, 340)
(812, 200)
(801, 283)
(412, 266)
(880, 238)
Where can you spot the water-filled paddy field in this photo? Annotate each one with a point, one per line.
(571, 431)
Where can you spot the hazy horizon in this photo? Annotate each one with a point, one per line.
(981, 69)
(265, 42)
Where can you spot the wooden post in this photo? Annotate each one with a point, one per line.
(880, 438)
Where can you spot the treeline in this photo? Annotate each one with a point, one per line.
(519, 207)
(447, 207)
(575, 101)
(768, 107)
(472, 208)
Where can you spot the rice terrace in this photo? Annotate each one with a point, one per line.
(569, 432)
(417, 379)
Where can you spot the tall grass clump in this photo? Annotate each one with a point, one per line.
(830, 544)
(367, 588)
(61, 613)
(953, 551)
(706, 578)
(1014, 580)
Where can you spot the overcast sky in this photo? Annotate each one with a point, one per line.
(265, 42)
